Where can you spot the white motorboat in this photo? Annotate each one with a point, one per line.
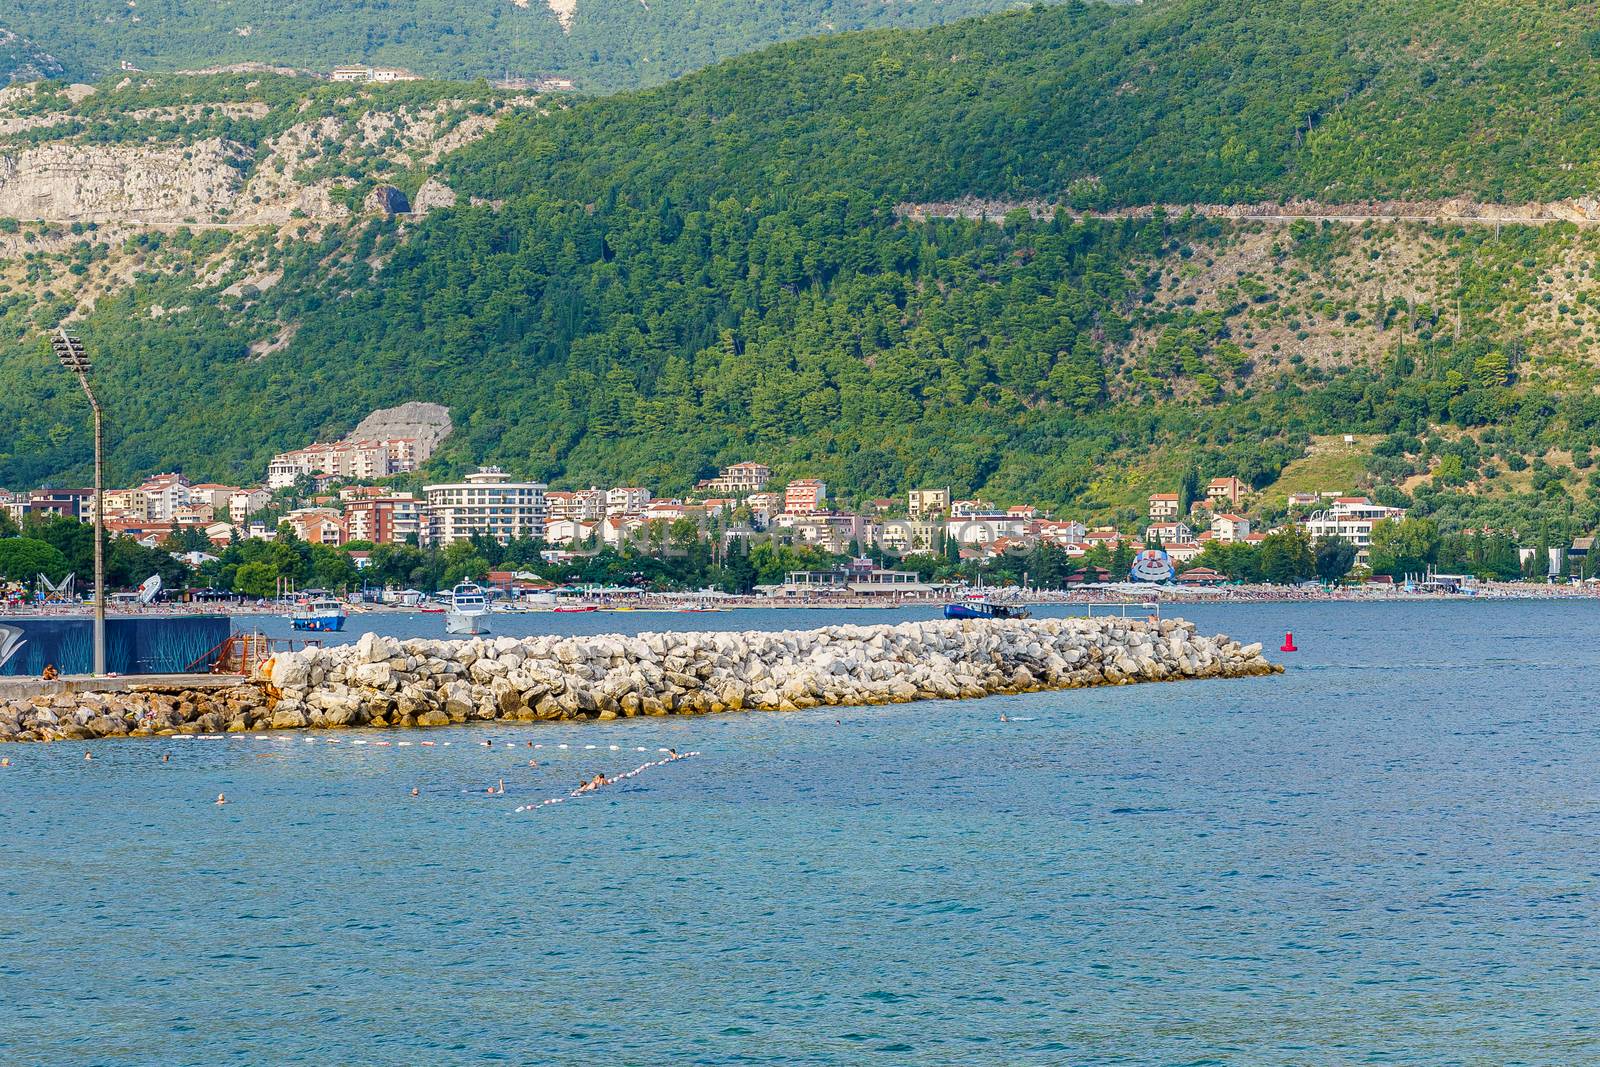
(469, 610)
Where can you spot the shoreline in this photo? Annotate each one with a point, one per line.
(678, 604)
(383, 682)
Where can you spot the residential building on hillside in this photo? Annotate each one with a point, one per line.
(344, 460)
(487, 503)
(127, 504)
(981, 529)
(910, 535)
(50, 503)
(391, 520)
(1159, 533)
(627, 500)
(164, 494)
(741, 479)
(920, 502)
(212, 493)
(1226, 492)
(317, 526)
(1183, 551)
(1163, 506)
(806, 496)
(963, 509)
(1230, 528)
(1352, 518)
(246, 502)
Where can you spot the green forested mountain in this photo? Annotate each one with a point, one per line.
(651, 284)
(602, 44)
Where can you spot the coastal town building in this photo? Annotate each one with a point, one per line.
(1163, 532)
(1352, 518)
(1229, 528)
(1164, 507)
(857, 578)
(920, 502)
(1225, 492)
(740, 479)
(375, 75)
(164, 494)
(345, 460)
(910, 535)
(391, 520)
(51, 503)
(984, 528)
(486, 503)
(964, 509)
(317, 526)
(1182, 551)
(807, 496)
(246, 502)
(627, 500)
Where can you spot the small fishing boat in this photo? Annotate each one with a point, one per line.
(323, 616)
(985, 609)
(469, 610)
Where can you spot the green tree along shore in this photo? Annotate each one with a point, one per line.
(663, 281)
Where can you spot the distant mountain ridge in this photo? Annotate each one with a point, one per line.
(600, 44)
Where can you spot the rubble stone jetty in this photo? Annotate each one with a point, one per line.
(382, 681)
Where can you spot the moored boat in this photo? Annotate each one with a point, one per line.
(985, 609)
(319, 616)
(469, 610)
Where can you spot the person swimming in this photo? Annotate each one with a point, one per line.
(88, 756)
(5, 761)
(414, 791)
(166, 757)
(487, 744)
(533, 763)
(1003, 717)
(221, 799)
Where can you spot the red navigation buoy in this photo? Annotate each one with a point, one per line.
(1288, 642)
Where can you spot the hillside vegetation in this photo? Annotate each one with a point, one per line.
(641, 287)
(601, 44)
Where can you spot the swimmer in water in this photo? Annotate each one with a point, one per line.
(221, 799)
(488, 744)
(1003, 717)
(533, 763)
(166, 757)
(5, 761)
(414, 791)
(502, 789)
(88, 755)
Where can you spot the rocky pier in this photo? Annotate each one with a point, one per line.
(382, 681)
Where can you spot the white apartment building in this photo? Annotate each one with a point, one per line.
(164, 494)
(740, 479)
(487, 503)
(628, 500)
(1352, 519)
(352, 460)
(246, 502)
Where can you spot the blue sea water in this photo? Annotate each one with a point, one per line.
(1386, 855)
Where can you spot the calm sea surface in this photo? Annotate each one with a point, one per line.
(1390, 854)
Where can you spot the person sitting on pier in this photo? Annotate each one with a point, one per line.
(50, 673)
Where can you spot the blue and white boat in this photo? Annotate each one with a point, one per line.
(324, 616)
(985, 609)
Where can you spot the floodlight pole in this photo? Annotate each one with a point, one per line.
(73, 357)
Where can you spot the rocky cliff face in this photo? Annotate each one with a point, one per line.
(62, 163)
(72, 182)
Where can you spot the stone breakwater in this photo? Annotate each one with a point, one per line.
(381, 681)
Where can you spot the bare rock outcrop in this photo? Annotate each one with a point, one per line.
(121, 183)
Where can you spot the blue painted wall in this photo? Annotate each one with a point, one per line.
(135, 645)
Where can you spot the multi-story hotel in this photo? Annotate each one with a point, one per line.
(487, 503)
